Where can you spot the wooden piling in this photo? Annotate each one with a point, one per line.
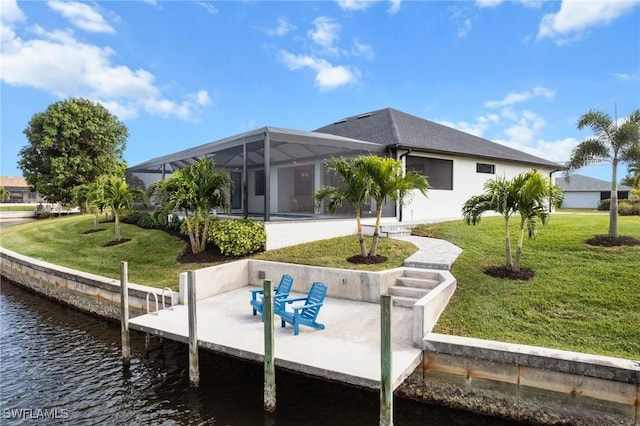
(194, 369)
(386, 379)
(269, 341)
(124, 315)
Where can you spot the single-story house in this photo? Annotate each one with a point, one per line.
(276, 171)
(584, 192)
(19, 190)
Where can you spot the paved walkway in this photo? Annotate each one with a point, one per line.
(432, 253)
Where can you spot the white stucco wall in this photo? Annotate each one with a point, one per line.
(447, 204)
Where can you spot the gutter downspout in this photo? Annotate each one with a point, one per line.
(404, 171)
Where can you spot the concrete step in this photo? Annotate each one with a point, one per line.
(405, 302)
(415, 293)
(419, 283)
(422, 273)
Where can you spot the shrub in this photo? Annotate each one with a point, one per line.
(604, 204)
(629, 208)
(238, 237)
(625, 207)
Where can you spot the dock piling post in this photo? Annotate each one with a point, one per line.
(124, 315)
(194, 369)
(269, 360)
(386, 380)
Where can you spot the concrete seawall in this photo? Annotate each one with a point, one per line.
(524, 383)
(86, 292)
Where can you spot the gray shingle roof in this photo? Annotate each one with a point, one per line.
(397, 129)
(580, 183)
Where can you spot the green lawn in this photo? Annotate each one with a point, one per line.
(582, 298)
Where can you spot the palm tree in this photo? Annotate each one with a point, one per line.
(527, 194)
(389, 183)
(498, 197)
(118, 197)
(195, 191)
(355, 190)
(611, 143)
(533, 192)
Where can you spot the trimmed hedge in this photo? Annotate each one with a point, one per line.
(238, 237)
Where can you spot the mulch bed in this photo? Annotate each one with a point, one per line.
(116, 242)
(366, 260)
(523, 274)
(210, 255)
(606, 241)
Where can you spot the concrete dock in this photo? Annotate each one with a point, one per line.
(347, 350)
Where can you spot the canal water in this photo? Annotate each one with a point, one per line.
(60, 366)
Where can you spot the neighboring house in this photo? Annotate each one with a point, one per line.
(583, 192)
(277, 171)
(19, 189)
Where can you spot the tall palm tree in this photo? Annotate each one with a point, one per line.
(612, 143)
(355, 189)
(498, 196)
(195, 191)
(389, 183)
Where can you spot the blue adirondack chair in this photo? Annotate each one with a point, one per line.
(281, 292)
(305, 314)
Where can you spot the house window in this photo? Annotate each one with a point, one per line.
(486, 168)
(260, 182)
(439, 172)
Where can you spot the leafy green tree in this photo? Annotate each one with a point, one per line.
(611, 143)
(355, 189)
(498, 197)
(388, 182)
(70, 144)
(118, 197)
(4, 194)
(195, 191)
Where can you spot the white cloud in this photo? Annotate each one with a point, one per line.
(82, 16)
(575, 17)
(517, 97)
(325, 33)
(394, 7)
(354, 4)
(466, 27)
(54, 61)
(210, 8)
(328, 77)
(11, 13)
(488, 3)
(362, 49)
(626, 76)
(282, 29)
(476, 128)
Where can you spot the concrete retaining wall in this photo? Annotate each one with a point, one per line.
(526, 383)
(86, 292)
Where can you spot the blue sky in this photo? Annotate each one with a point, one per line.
(183, 73)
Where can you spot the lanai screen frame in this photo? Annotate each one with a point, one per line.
(279, 147)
